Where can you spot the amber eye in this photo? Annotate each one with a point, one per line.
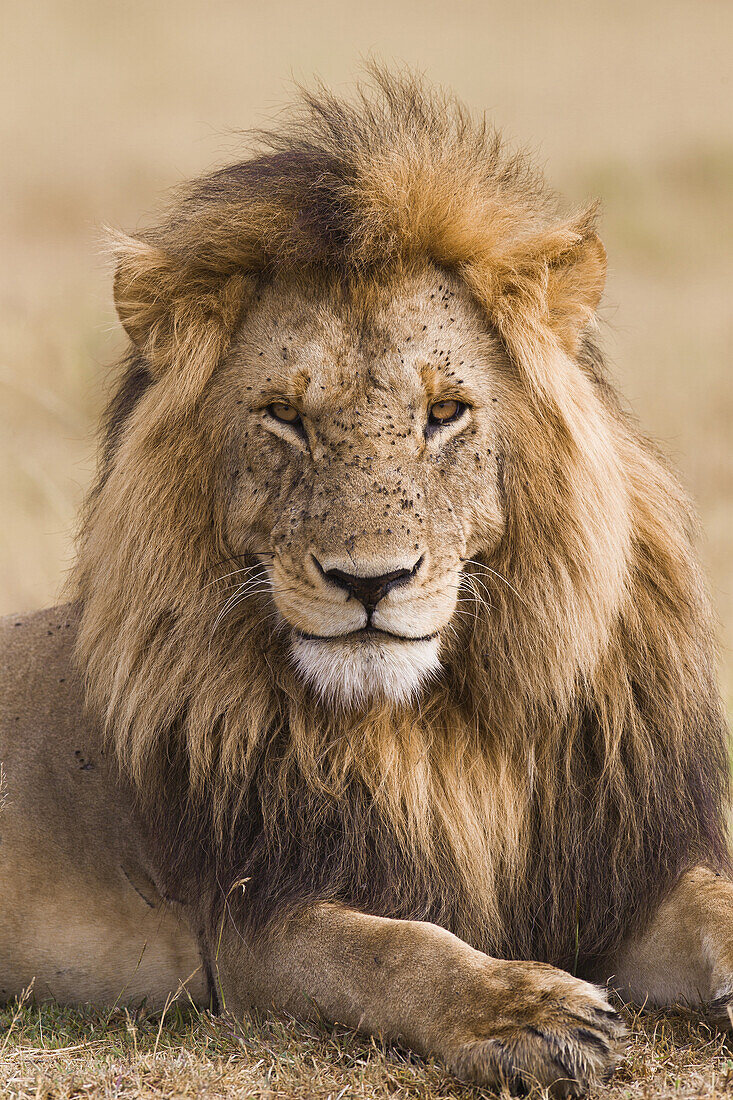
(281, 410)
(443, 412)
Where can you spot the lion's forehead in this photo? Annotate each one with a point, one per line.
(367, 363)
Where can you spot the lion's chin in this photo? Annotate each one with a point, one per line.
(361, 669)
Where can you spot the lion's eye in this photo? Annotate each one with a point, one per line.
(443, 412)
(281, 410)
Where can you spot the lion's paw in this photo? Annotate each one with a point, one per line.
(555, 1032)
(719, 1012)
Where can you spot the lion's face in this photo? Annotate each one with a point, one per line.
(366, 471)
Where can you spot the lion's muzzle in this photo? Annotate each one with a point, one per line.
(368, 632)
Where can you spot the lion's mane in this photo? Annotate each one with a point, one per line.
(572, 760)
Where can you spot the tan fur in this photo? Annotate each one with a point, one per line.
(492, 1022)
(686, 953)
(81, 917)
(542, 757)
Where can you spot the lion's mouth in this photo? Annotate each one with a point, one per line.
(366, 634)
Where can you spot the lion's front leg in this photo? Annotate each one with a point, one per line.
(490, 1021)
(686, 953)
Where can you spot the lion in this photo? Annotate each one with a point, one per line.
(385, 689)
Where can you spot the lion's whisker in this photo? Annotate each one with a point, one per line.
(488, 569)
(240, 586)
(241, 593)
(235, 573)
(471, 582)
(247, 589)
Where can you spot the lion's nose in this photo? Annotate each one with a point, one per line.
(368, 589)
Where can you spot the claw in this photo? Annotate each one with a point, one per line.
(591, 1038)
(719, 1012)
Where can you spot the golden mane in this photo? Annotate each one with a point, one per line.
(573, 758)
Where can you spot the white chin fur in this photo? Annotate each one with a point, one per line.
(352, 671)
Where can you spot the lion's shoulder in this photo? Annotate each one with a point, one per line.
(40, 690)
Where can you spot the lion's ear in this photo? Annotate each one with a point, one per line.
(575, 281)
(179, 315)
(551, 282)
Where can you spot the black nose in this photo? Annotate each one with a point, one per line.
(368, 590)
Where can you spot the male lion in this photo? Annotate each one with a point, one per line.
(386, 689)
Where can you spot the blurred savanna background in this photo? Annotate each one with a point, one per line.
(105, 106)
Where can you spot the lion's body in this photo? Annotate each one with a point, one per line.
(390, 617)
(81, 918)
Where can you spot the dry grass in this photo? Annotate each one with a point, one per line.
(61, 1053)
(105, 105)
